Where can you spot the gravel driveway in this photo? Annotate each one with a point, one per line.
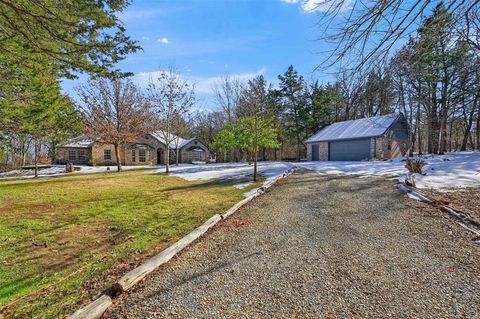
(322, 247)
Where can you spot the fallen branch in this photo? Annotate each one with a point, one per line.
(476, 232)
(465, 218)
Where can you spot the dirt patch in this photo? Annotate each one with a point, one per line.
(63, 250)
(243, 222)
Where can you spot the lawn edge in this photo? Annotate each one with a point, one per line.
(97, 308)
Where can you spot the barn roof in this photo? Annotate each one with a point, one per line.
(361, 128)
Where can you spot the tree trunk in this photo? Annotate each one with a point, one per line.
(298, 148)
(177, 153)
(419, 131)
(117, 156)
(444, 105)
(468, 128)
(477, 130)
(36, 159)
(255, 167)
(167, 160)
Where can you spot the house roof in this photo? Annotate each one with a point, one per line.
(81, 141)
(159, 135)
(84, 142)
(361, 128)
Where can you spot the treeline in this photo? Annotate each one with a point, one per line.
(42, 42)
(434, 80)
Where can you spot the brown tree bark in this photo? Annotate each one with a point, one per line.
(117, 157)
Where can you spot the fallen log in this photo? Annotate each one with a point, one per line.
(93, 310)
(408, 190)
(137, 274)
(450, 211)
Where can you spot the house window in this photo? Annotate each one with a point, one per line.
(133, 156)
(81, 155)
(107, 155)
(72, 155)
(142, 155)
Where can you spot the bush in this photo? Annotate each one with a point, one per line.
(415, 165)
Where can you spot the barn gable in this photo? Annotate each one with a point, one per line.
(377, 137)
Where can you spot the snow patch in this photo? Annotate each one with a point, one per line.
(242, 185)
(442, 172)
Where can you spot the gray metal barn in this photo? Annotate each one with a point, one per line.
(378, 137)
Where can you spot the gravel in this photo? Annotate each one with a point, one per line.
(319, 246)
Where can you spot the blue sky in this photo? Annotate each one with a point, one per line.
(206, 39)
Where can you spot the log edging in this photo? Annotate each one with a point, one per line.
(97, 308)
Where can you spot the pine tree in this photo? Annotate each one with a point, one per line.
(294, 106)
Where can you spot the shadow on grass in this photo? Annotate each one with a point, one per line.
(209, 184)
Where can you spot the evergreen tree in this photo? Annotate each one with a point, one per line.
(292, 94)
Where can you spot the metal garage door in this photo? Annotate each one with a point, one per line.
(351, 150)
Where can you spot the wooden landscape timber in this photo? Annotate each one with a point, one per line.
(94, 310)
(97, 308)
(135, 275)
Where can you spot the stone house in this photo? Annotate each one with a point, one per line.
(149, 149)
(379, 137)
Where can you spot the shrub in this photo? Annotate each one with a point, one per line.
(415, 165)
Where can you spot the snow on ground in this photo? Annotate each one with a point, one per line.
(55, 170)
(44, 171)
(242, 185)
(269, 170)
(443, 172)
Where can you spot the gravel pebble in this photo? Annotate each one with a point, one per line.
(319, 246)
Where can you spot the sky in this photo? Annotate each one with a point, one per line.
(207, 39)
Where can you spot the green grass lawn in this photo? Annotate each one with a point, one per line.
(65, 239)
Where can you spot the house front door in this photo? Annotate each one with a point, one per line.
(160, 157)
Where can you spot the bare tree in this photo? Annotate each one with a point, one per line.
(171, 96)
(227, 92)
(369, 30)
(115, 112)
(180, 129)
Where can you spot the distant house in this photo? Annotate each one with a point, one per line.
(379, 137)
(147, 150)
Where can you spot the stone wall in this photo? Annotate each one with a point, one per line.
(98, 154)
(187, 156)
(386, 148)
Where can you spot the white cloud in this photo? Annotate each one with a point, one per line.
(310, 6)
(202, 84)
(163, 41)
